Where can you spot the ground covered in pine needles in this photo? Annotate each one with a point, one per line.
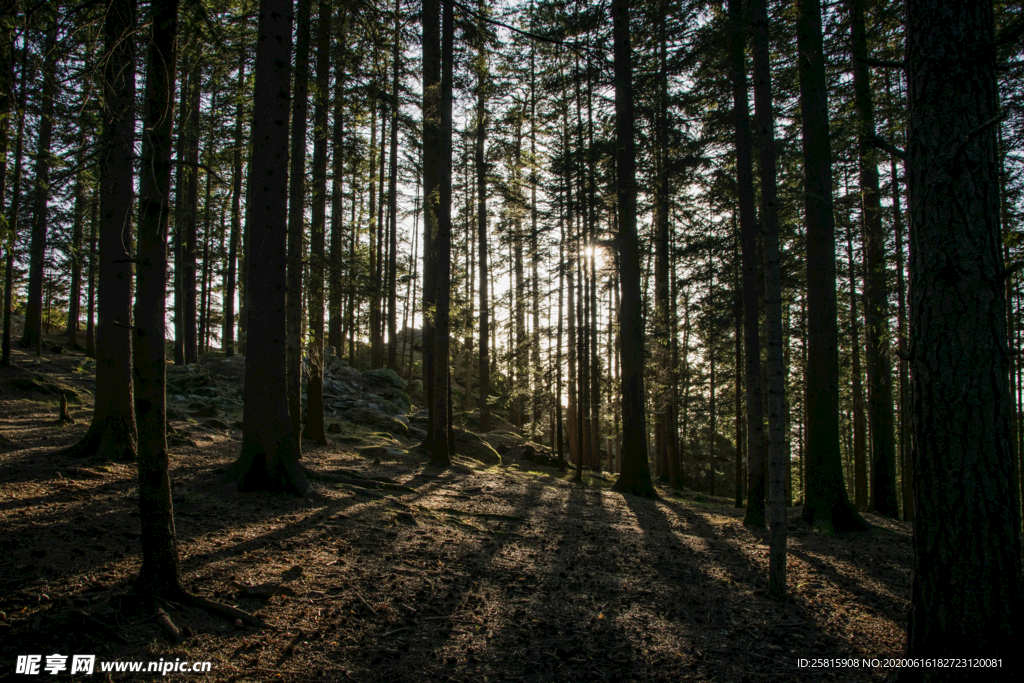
(480, 572)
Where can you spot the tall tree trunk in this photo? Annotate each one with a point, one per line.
(636, 475)
(755, 512)
(236, 216)
(966, 592)
(826, 506)
(33, 333)
(482, 78)
(335, 336)
(431, 195)
(191, 131)
(778, 455)
(393, 196)
(441, 398)
(90, 325)
(269, 457)
(13, 215)
(317, 265)
(901, 331)
(860, 473)
(160, 572)
(296, 219)
(876, 292)
(180, 211)
(113, 434)
(75, 248)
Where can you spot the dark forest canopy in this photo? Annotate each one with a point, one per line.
(756, 249)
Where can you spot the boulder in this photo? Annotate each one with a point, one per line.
(385, 378)
(375, 419)
(398, 397)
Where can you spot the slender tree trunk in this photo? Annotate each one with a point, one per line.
(160, 572)
(315, 389)
(481, 188)
(191, 132)
(180, 211)
(90, 325)
(296, 218)
(901, 330)
(860, 473)
(966, 591)
(826, 505)
(441, 395)
(335, 335)
(755, 512)
(636, 475)
(393, 196)
(778, 456)
(113, 434)
(13, 216)
(236, 216)
(75, 251)
(269, 457)
(33, 334)
(876, 294)
(431, 198)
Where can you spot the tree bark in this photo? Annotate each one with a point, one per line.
(113, 434)
(296, 219)
(826, 506)
(13, 215)
(755, 510)
(481, 189)
(236, 215)
(33, 333)
(876, 292)
(636, 475)
(966, 592)
(441, 447)
(317, 265)
(778, 455)
(431, 196)
(160, 572)
(269, 457)
(392, 278)
(335, 336)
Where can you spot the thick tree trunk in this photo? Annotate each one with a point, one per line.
(317, 265)
(876, 292)
(636, 475)
(113, 434)
(160, 573)
(826, 506)
(32, 337)
(966, 594)
(269, 458)
(296, 220)
(755, 511)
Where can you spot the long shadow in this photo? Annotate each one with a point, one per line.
(442, 601)
(751, 608)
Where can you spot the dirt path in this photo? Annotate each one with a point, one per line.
(477, 573)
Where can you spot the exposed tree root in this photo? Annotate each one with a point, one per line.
(170, 630)
(358, 482)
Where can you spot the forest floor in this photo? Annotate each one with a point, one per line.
(475, 573)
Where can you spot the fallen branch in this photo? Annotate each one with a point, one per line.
(170, 630)
(220, 609)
